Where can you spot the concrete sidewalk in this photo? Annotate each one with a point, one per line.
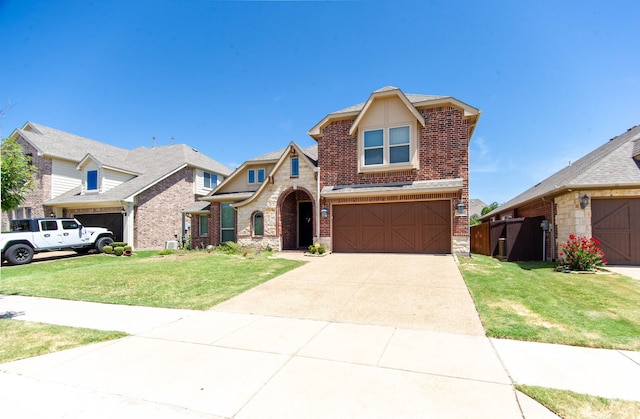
(215, 364)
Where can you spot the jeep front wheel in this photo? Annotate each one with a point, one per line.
(19, 254)
(102, 242)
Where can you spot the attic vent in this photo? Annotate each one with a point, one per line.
(195, 149)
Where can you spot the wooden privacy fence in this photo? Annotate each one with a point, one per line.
(515, 239)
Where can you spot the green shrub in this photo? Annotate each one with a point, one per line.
(166, 252)
(321, 250)
(127, 247)
(230, 247)
(118, 251)
(312, 249)
(119, 244)
(107, 249)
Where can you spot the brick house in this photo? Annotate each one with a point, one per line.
(388, 175)
(595, 196)
(139, 194)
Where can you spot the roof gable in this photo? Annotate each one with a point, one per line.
(384, 93)
(411, 100)
(608, 166)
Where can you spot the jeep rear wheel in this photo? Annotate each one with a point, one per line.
(102, 242)
(19, 254)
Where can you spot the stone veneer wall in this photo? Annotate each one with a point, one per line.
(158, 211)
(267, 202)
(443, 153)
(36, 198)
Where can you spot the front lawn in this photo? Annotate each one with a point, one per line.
(530, 301)
(192, 280)
(570, 405)
(25, 339)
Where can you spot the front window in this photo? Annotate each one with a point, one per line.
(70, 225)
(227, 223)
(48, 225)
(210, 180)
(255, 176)
(203, 226)
(92, 180)
(387, 146)
(258, 224)
(295, 167)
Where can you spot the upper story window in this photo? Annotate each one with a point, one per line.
(295, 167)
(210, 180)
(92, 180)
(255, 176)
(387, 146)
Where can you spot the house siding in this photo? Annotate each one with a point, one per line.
(158, 211)
(443, 154)
(64, 177)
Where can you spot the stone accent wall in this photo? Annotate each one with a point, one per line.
(158, 211)
(42, 192)
(268, 203)
(443, 153)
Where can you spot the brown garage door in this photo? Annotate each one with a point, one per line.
(616, 223)
(405, 227)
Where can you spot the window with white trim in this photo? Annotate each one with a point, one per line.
(203, 225)
(210, 180)
(387, 146)
(92, 180)
(258, 224)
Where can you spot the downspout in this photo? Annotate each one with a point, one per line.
(317, 240)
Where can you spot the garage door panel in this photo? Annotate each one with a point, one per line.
(407, 227)
(616, 224)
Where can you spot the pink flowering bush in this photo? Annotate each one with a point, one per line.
(582, 254)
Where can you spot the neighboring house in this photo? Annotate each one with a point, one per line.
(388, 175)
(475, 207)
(139, 194)
(596, 196)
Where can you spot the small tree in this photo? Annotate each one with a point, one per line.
(18, 175)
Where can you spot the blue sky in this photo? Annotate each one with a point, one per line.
(554, 79)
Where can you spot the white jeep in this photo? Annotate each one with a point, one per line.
(33, 235)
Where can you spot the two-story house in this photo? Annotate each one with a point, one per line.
(139, 194)
(388, 175)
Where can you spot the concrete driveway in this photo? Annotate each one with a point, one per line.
(345, 336)
(399, 290)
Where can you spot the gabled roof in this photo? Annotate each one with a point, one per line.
(611, 165)
(413, 101)
(149, 165)
(277, 157)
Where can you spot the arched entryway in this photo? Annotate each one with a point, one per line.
(296, 211)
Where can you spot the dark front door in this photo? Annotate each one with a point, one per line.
(305, 224)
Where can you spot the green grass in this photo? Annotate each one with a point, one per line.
(570, 405)
(530, 301)
(25, 339)
(193, 280)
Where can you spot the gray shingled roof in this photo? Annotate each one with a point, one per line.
(413, 98)
(152, 164)
(311, 152)
(610, 165)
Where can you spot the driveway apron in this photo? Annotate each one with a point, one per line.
(398, 290)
